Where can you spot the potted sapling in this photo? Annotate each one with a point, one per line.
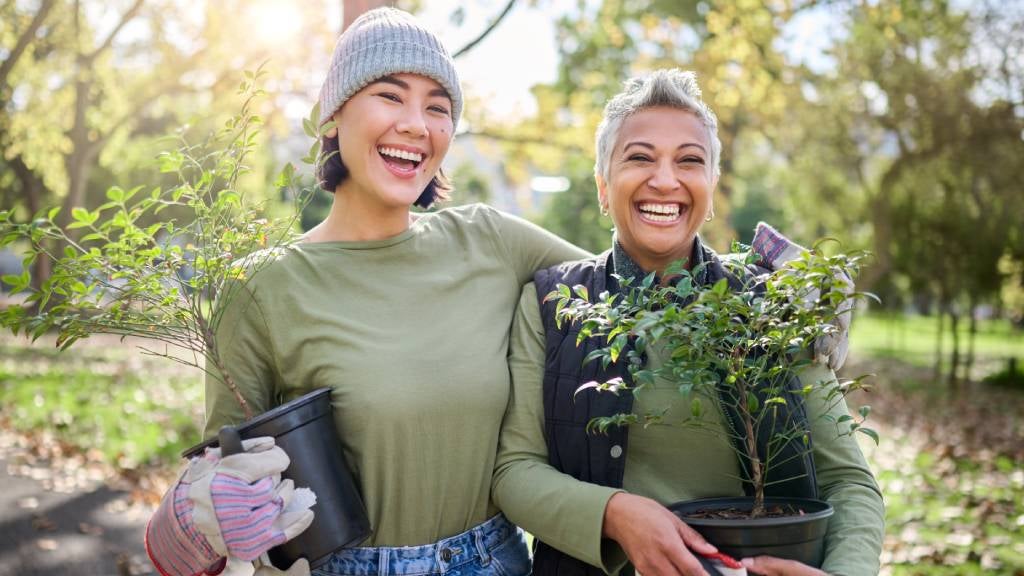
(738, 346)
(159, 265)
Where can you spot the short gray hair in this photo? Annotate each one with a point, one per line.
(669, 87)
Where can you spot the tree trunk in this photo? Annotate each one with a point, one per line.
(352, 9)
(33, 189)
(973, 333)
(941, 309)
(881, 223)
(954, 363)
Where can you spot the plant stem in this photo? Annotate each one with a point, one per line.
(214, 356)
(750, 441)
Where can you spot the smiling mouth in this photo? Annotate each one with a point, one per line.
(400, 159)
(658, 212)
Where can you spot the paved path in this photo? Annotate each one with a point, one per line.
(91, 532)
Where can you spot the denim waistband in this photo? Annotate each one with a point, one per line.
(441, 556)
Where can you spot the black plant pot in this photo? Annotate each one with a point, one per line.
(304, 429)
(799, 537)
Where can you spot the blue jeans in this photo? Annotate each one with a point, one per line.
(495, 548)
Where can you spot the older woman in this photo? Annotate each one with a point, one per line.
(656, 171)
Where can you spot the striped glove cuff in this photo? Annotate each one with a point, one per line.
(174, 545)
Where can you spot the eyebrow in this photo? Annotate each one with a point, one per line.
(650, 146)
(405, 85)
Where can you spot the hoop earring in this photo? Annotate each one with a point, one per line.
(711, 216)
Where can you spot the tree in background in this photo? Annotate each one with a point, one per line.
(900, 138)
(88, 89)
(913, 135)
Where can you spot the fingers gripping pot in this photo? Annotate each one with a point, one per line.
(304, 429)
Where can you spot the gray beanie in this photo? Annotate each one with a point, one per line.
(386, 41)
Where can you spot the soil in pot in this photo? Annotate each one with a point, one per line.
(725, 523)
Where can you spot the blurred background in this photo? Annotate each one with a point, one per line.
(892, 126)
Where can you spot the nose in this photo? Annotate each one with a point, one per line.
(663, 178)
(412, 123)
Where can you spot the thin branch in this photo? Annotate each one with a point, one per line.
(523, 140)
(24, 40)
(494, 24)
(125, 18)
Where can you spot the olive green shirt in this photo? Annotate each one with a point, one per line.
(411, 335)
(664, 462)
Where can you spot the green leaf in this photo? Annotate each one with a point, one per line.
(581, 291)
(17, 282)
(864, 411)
(563, 291)
(696, 408)
(52, 213)
(115, 194)
(752, 404)
(870, 434)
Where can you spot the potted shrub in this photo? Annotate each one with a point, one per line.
(152, 263)
(741, 347)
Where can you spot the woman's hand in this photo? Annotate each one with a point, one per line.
(771, 566)
(775, 250)
(657, 542)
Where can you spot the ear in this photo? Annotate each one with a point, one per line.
(332, 132)
(602, 192)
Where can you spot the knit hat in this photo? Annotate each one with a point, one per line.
(386, 41)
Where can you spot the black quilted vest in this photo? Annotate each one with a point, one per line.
(601, 458)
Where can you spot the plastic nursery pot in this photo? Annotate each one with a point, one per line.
(799, 537)
(304, 429)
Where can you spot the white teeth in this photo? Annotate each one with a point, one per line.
(396, 153)
(651, 209)
(660, 218)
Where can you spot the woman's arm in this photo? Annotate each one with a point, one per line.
(853, 543)
(175, 542)
(529, 247)
(555, 507)
(246, 353)
(576, 517)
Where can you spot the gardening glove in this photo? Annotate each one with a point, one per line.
(235, 506)
(775, 250)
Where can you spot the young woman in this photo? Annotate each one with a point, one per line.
(405, 316)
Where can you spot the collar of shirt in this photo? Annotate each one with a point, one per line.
(627, 268)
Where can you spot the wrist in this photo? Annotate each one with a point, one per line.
(613, 511)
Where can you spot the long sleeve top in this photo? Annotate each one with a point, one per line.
(666, 463)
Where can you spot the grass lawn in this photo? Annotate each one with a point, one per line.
(913, 339)
(102, 397)
(951, 460)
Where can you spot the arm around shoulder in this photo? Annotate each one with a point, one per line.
(558, 509)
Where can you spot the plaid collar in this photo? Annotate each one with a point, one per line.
(626, 267)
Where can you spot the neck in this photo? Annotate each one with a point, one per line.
(353, 218)
(628, 265)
